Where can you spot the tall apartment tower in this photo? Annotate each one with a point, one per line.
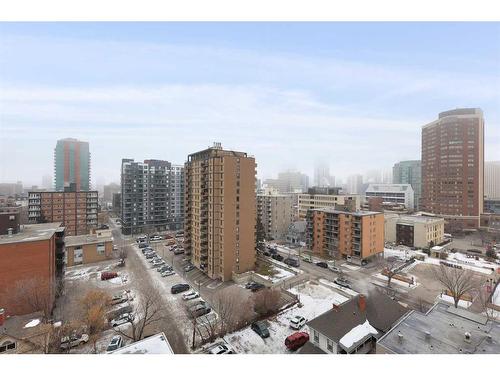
(220, 211)
(72, 164)
(409, 172)
(146, 196)
(492, 179)
(177, 197)
(453, 167)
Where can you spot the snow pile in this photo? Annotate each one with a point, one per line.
(461, 303)
(32, 323)
(280, 275)
(496, 297)
(357, 334)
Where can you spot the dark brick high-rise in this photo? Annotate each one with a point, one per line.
(453, 167)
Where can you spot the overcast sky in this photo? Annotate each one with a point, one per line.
(353, 95)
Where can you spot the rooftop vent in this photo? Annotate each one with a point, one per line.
(400, 337)
(467, 336)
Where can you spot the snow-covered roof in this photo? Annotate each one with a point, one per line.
(157, 344)
(358, 334)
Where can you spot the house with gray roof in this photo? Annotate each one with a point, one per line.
(354, 326)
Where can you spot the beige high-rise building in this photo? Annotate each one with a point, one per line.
(220, 211)
(276, 214)
(492, 179)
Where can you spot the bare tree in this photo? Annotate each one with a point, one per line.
(148, 312)
(267, 302)
(93, 314)
(35, 293)
(484, 299)
(233, 311)
(458, 281)
(391, 269)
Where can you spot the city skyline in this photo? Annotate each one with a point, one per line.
(277, 91)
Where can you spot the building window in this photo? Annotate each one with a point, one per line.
(329, 345)
(101, 248)
(78, 255)
(6, 346)
(316, 336)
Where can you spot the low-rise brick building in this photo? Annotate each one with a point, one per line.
(32, 262)
(89, 248)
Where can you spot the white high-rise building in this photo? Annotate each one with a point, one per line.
(492, 179)
(354, 184)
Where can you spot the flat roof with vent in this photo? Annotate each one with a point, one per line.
(85, 239)
(32, 232)
(444, 329)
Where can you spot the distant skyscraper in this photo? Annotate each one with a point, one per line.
(492, 179)
(409, 172)
(72, 164)
(47, 182)
(355, 184)
(322, 176)
(453, 167)
(289, 182)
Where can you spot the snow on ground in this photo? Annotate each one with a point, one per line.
(314, 301)
(496, 297)
(461, 303)
(32, 323)
(351, 267)
(280, 275)
(396, 281)
(357, 333)
(480, 265)
(331, 284)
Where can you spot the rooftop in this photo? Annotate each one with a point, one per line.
(156, 344)
(32, 232)
(355, 213)
(380, 311)
(22, 326)
(442, 330)
(85, 239)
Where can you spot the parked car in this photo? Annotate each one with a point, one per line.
(115, 343)
(322, 264)
(156, 238)
(254, 287)
(108, 275)
(119, 298)
(260, 328)
(334, 269)
(158, 263)
(151, 255)
(221, 349)
(179, 288)
(142, 245)
(167, 273)
(189, 268)
(164, 268)
(117, 312)
(73, 340)
(277, 257)
(296, 340)
(307, 259)
(179, 251)
(190, 295)
(293, 262)
(141, 238)
(122, 319)
(146, 249)
(267, 253)
(297, 322)
(342, 282)
(155, 257)
(200, 310)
